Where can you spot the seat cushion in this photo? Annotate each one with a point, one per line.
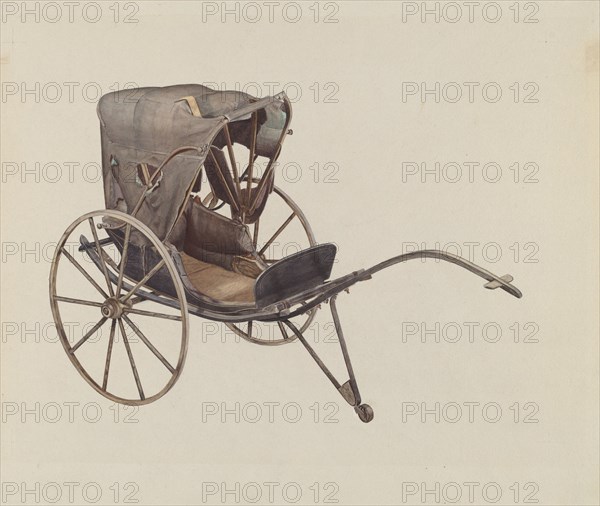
(218, 283)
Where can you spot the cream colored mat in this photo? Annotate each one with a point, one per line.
(218, 283)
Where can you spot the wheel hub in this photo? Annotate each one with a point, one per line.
(112, 308)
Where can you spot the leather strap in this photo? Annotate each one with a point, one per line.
(193, 105)
(145, 173)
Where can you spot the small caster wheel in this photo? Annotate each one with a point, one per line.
(364, 412)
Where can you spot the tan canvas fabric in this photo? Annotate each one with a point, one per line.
(218, 283)
(144, 125)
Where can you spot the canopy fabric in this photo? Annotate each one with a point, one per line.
(144, 125)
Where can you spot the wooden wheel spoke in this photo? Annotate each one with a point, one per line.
(131, 360)
(140, 298)
(123, 259)
(100, 255)
(110, 261)
(153, 314)
(255, 234)
(82, 302)
(150, 346)
(117, 305)
(143, 281)
(84, 272)
(111, 340)
(87, 335)
(251, 158)
(276, 234)
(253, 331)
(136, 300)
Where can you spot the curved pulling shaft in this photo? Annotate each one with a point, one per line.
(493, 280)
(349, 389)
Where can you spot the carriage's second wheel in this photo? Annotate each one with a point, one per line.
(272, 243)
(151, 358)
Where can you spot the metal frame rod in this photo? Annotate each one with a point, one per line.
(342, 340)
(251, 157)
(346, 355)
(100, 250)
(169, 157)
(234, 169)
(221, 175)
(313, 296)
(313, 354)
(123, 259)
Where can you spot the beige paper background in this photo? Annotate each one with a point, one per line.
(371, 214)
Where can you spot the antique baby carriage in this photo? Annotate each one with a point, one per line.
(181, 232)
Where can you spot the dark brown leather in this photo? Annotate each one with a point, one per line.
(214, 238)
(222, 189)
(294, 274)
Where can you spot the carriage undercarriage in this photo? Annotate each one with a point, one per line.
(155, 253)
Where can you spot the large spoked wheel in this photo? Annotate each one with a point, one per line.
(95, 305)
(281, 230)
